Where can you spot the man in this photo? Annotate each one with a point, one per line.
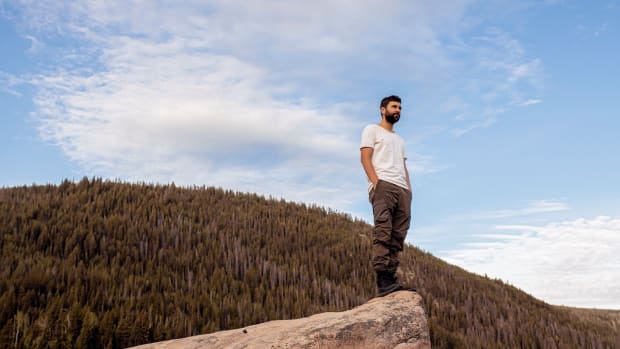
(383, 158)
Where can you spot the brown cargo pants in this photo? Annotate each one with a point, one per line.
(391, 206)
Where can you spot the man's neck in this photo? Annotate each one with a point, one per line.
(386, 125)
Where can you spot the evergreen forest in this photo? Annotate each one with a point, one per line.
(104, 264)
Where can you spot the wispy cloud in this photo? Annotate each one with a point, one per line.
(458, 132)
(593, 31)
(541, 206)
(534, 207)
(35, 44)
(570, 262)
(532, 101)
(8, 84)
(498, 76)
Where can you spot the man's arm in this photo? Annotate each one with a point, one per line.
(407, 176)
(366, 158)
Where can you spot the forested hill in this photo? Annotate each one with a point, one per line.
(100, 264)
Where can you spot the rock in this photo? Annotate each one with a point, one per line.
(394, 321)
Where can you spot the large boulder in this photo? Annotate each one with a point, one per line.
(394, 321)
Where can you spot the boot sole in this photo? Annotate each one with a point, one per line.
(388, 290)
(393, 288)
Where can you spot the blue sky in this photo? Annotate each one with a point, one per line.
(510, 113)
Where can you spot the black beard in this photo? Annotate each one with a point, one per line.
(391, 118)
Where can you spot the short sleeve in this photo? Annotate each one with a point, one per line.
(368, 137)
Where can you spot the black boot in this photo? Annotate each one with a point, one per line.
(387, 283)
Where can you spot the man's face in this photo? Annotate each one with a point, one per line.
(391, 112)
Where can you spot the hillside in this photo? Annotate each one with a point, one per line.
(98, 264)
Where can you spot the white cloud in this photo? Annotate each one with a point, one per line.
(541, 206)
(161, 112)
(459, 132)
(422, 164)
(531, 102)
(498, 75)
(256, 96)
(573, 263)
(35, 44)
(8, 83)
(534, 207)
(594, 31)
(216, 94)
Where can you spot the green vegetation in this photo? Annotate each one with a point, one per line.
(99, 264)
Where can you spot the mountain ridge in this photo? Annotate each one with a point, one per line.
(110, 264)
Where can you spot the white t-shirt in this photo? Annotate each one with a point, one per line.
(388, 157)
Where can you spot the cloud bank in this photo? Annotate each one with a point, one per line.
(570, 262)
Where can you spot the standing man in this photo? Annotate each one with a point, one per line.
(383, 158)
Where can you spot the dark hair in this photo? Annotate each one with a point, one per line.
(385, 101)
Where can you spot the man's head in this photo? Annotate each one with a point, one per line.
(390, 109)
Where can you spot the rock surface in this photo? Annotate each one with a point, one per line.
(394, 321)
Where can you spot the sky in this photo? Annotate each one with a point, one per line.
(510, 115)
